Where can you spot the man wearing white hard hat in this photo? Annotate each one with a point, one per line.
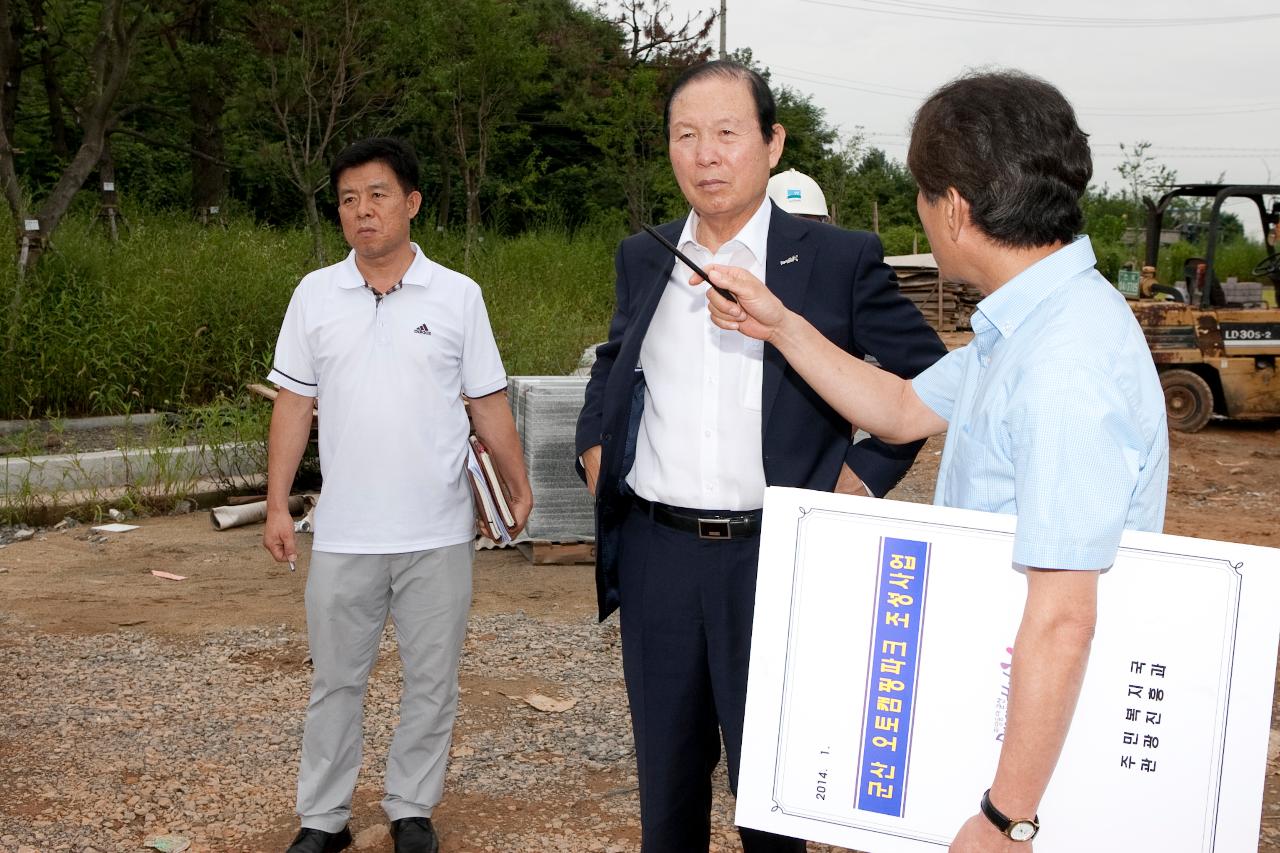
(798, 194)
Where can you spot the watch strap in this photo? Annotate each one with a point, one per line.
(1003, 823)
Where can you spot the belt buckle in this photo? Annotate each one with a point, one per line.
(714, 528)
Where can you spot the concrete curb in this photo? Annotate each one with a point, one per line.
(73, 424)
(144, 468)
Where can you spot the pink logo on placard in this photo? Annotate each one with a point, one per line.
(1002, 700)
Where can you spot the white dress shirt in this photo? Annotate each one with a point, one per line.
(699, 444)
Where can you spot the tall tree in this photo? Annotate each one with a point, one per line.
(484, 63)
(885, 193)
(206, 88)
(810, 140)
(627, 130)
(554, 174)
(321, 79)
(203, 62)
(13, 35)
(837, 173)
(626, 125)
(52, 86)
(105, 68)
(1143, 173)
(653, 35)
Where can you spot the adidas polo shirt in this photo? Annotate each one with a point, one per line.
(388, 374)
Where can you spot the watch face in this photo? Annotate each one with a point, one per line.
(1022, 830)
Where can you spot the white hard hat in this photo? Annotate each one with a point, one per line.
(795, 192)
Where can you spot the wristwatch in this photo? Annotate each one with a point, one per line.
(1014, 830)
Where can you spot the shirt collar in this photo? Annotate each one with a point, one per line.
(1013, 302)
(754, 236)
(419, 272)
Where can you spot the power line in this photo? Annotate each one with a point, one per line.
(1109, 150)
(866, 89)
(1210, 111)
(934, 11)
(895, 91)
(880, 86)
(1116, 155)
(1211, 149)
(870, 88)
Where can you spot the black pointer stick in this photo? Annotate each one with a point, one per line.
(688, 263)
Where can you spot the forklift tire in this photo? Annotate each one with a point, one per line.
(1188, 400)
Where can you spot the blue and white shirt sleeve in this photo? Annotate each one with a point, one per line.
(293, 367)
(482, 370)
(939, 385)
(1077, 454)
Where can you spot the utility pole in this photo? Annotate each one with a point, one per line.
(724, 11)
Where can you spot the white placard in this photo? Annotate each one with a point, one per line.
(879, 674)
(108, 186)
(31, 224)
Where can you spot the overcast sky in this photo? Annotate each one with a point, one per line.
(1206, 95)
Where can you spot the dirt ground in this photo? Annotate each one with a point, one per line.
(1225, 484)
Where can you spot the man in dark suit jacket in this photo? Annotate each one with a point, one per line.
(683, 427)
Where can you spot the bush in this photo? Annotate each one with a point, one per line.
(903, 240)
(177, 315)
(549, 295)
(1236, 258)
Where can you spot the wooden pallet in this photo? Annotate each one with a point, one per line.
(541, 552)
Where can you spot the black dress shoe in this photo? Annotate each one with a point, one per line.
(414, 835)
(318, 841)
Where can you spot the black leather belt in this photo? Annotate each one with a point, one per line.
(741, 524)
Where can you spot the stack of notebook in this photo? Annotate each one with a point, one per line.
(493, 512)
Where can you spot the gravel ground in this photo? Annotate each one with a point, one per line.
(127, 736)
(133, 710)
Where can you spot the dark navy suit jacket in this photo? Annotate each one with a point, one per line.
(839, 283)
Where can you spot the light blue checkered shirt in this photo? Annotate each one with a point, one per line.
(1055, 414)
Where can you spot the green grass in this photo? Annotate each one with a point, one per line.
(1236, 258)
(178, 315)
(549, 297)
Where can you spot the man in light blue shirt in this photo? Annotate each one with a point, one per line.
(1056, 398)
(1054, 412)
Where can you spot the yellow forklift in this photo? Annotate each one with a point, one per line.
(1215, 346)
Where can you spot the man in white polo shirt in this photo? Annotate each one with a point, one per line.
(386, 343)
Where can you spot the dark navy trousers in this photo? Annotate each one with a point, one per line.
(687, 607)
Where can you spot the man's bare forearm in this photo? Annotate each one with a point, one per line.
(1050, 657)
(290, 430)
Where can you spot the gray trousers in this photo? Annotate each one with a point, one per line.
(428, 594)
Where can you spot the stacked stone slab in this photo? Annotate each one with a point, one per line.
(546, 413)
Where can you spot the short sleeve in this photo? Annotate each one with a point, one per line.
(293, 367)
(1077, 456)
(482, 370)
(939, 384)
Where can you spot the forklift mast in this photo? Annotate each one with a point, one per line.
(1220, 193)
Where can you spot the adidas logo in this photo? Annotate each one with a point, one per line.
(422, 330)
